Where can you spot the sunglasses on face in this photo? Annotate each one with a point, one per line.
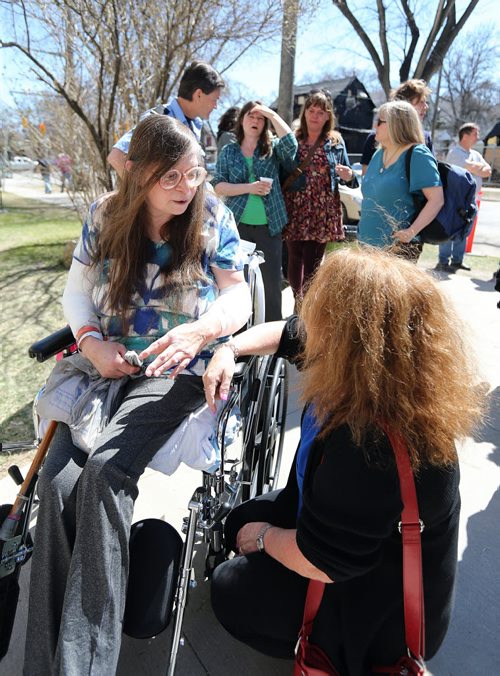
(194, 177)
(379, 122)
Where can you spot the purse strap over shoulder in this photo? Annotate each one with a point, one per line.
(300, 169)
(410, 527)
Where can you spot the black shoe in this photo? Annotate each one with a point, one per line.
(443, 267)
(460, 266)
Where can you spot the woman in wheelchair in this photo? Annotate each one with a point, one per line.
(157, 270)
(377, 342)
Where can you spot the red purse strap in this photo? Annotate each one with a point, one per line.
(314, 597)
(411, 527)
(413, 588)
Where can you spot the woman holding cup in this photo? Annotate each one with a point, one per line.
(247, 175)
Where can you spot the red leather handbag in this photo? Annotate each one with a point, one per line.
(310, 659)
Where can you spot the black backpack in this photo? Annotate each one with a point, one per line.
(457, 214)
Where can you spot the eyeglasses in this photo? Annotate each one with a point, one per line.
(194, 177)
(379, 122)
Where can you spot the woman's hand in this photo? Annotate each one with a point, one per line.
(345, 173)
(280, 126)
(435, 200)
(218, 375)
(177, 348)
(264, 110)
(261, 188)
(107, 357)
(246, 540)
(404, 236)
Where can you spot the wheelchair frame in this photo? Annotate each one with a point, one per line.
(260, 390)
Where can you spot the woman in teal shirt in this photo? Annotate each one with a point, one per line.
(388, 212)
(257, 205)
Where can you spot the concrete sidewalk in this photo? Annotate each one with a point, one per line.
(471, 647)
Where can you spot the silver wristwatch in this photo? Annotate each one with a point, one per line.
(260, 537)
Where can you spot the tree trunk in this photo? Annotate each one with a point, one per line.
(288, 46)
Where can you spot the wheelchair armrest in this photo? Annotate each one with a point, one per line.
(241, 368)
(51, 345)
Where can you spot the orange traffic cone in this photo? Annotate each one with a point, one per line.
(470, 236)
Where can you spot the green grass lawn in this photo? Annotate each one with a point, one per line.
(32, 277)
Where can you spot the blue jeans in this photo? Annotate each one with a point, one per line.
(454, 249)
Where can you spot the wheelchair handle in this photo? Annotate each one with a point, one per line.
(51, 345)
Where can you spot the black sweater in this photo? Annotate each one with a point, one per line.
(348, 528)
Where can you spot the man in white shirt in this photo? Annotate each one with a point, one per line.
(463, 156)
(199, 91)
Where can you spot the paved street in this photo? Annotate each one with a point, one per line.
(472, 647)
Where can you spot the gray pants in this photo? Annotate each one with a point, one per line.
(80, 561)
(271, 247)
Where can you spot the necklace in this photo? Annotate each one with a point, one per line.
(387, 162)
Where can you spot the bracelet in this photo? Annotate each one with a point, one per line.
(231, 346)
(260, 537)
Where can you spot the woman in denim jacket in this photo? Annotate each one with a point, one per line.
(312, 201)
(257, 204)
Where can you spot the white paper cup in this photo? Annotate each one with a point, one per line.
(266, 179)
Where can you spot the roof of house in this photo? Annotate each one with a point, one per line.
(493, 132)
(335, 87)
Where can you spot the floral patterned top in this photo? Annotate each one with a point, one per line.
(314, 213)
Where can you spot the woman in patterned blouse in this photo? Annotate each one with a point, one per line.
(313, 201)
(157, 270)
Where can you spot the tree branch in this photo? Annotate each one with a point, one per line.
(442, 14)
(450, 32)
(381, 68)
(404, 70)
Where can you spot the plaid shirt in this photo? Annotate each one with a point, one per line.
(232, 168)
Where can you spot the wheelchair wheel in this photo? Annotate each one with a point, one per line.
(272, 430)
(264, 445)
(253, 425)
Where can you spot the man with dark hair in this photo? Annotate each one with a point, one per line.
(463, 156)
(415, 92)
(199, 90)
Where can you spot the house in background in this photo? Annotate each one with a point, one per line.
(353, 107)
(492, 147)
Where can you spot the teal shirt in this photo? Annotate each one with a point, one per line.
(387, 198)
(255, 212)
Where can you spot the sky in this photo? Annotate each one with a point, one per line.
(325, 43)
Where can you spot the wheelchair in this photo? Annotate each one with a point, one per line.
(248, 467)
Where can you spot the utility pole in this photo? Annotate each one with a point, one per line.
(288, 45)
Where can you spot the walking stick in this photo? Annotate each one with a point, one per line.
(13, 550)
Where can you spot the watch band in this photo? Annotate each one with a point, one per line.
(260, 537)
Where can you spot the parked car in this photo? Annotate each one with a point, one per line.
(21, 163)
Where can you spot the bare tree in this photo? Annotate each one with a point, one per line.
(108, 60)
(469, 94)
(396, 27)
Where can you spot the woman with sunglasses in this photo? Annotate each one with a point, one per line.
(157, 270)
(247, 176)
(388, 210)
